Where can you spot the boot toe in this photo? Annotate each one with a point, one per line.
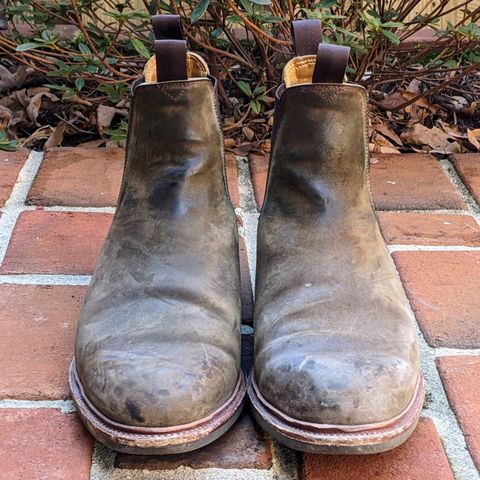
(160, 389)
(340, 389)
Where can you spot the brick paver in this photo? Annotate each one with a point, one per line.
(40, 321)
(43, 444)
(468, 168)
(79, 177)
(259, 172)
(243, 446)
(410, 182)
(421, 457)
(429, 229)
(461, 378)
(444, 290)
(56, 242)
(10, 165)
(231, 169)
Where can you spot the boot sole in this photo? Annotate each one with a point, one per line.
(156, 441)
(335, 439)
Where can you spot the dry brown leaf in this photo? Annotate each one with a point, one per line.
(382, 145)
(471, 109)
(229, 142)
(434, 138)
(248, 132)
(388, 133)
(474, 137)
(105, 116)
(56, 137)
(35, 103)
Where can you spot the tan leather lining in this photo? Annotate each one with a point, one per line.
(299, 70)
(196, 68)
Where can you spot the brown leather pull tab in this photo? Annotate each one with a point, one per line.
(167, 27)
(170, 48)
(331, 64)
(171, 60)
(306, 34)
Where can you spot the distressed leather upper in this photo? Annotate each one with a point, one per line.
(158, 342)
(334, 338)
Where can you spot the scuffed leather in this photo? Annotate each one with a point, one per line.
(158, 342)
(334, 338)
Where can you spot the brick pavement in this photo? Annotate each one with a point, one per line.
(55, 211)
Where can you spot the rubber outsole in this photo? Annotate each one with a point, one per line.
(156, 441)
(330, 439)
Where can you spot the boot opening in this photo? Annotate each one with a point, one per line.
(196, 68)
(299, 70)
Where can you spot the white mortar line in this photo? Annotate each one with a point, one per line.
(249, 214)
(16, 203)
(34, 279)
(447, 351)
(66, 406)
(61, 208)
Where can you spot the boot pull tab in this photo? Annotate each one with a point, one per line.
(306, 35)
(170, 48)
(331, 63)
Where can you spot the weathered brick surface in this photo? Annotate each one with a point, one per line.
(80, 177)
(411, 181)
(259, 172)
(43, 444)
(36, 345)
(444, 291)
(468, 168)
(56, 242)
(429, 229)
(243, 446)
(10, 165)
(421, 457)
(232, 178)
(461, 378)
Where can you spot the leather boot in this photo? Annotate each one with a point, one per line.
(336, 365)
(157, 353)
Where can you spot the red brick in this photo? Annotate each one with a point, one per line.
(246, 283)
(36, 345)
(412, 181)
(444, 291)
(10, 165)
(461, 378)
(232, 178)
(259, 171)
(243, 446)
(81, 177)
(421, 457)
(43, 444)
(468, 168)
(429, 229)
(56, 242)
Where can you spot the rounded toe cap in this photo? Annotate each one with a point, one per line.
(341, 389)
(162, 389)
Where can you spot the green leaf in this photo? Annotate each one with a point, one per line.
(261, 2)
(199, 11)
(28, 46)
(327, 4)
(255, 106)
(391, 36)
(245, 88)
(79, 83)
(247, 5)
(140, 47)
